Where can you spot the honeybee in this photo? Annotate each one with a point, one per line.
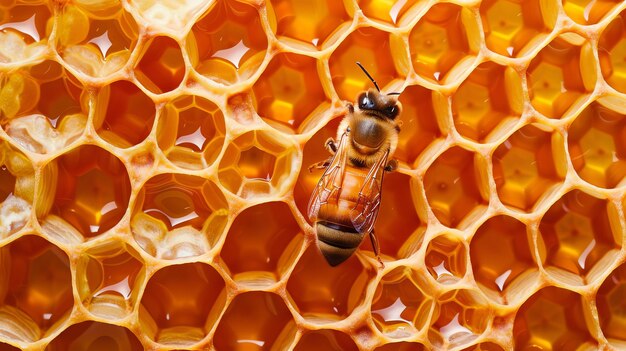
(345, 203)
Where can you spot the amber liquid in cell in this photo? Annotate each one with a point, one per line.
(255, 163)
(161, 68)
(95, 336)
(7, 183)
(400, 308)
(588, 11)
(29, 22)
(114, 276)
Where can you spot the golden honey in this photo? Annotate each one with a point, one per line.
(154, 176)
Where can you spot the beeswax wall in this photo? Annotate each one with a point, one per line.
(153, 175)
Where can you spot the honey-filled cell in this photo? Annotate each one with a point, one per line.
(588, 12)
(401, 307)
(191, 131)
(612, 307)
(161, 68)
(446, 259)
(553, 319)
(178, 215)
(181, 303)
(24, 30)
(94, 45)
(612, 53)
(514, 28)
(439, 43)
(17, 184)
(228, 44)
(401, 346)
(255, 320)
(325, 339)
(47, 110)
(95, 336)
(289, 92)
(394, 13)
(37, 289)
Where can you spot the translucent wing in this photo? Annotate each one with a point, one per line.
(364, 213)
(329, 186)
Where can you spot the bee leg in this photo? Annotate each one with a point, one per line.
(375, 246)
(320, 165)
(330, 146)
(391, 166)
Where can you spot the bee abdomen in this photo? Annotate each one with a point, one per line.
(337, 242)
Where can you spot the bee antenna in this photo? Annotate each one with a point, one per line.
(393, 94)
(368, 75)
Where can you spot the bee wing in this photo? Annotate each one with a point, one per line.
(364, 213)
(328, 187)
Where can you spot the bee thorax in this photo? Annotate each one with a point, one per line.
(369, 133)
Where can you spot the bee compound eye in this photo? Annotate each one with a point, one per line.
(364, 102)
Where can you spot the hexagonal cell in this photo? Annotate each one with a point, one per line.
(109, 277)
(505, 277)
(262, 244)
(516, 27)
(395, 13)
(611, 307)
(256, 320)
(24, 30)
(446, 259)
(524, 167)
(308, 24)
(48, 109)
(553, 319)
(485, 346)
(490, 99)
(453, 187)
(373, 48)
(576, 234)
(460, 317)
(191, 131)
(169, 17)
(561, 76)
(17, 185)
(612, 53)
(94, 45)
(181, 303)
(256, 163)
(419, 123)
(402, 346)
(289, 92)
(161, 68)
(325, 339)
(322, 293)
(596, 146)
(178, 215)
(228, 44)
(439, 43)
(588, 12)
(92, 193)
(400, 307)
(124, 115)
(37, 289)
(95, 336)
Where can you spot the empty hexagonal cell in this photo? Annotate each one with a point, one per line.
(485, 346)
(553, 319)
(596, 146)
(516, 27)
(524, 167)
(92, 193)
(256, 164)
(37, 289)
(95, 336)
(178, 215)
(611, 307)
(17, 184)
(228, 44)
(561, 76)
(109, 277)
(502, 259)
(191, 131)
(48, 109)
(612, 53)
(439, 43)
(181, 303)
(262, 244)
(322, 293)
(95, 45)
(24, 30)
(373, 48)
(124, 114)
(309, 25)
(419, 123)
(325, 339)
(460, 317)
(453, 187)
(577, 234)
(488, 102)
(396, 13)
(400, 307)
(255, 320)
(161, 67)
(588, 11)
(446, 259)
(289, 91)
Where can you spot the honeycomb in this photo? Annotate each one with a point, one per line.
(154, 183)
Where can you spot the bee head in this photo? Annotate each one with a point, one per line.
(374, 103)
